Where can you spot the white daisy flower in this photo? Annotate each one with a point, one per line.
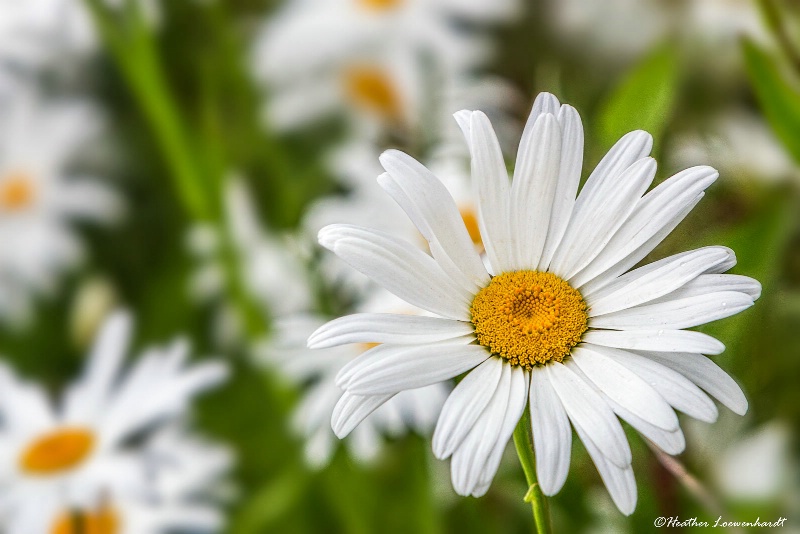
(35, 33)
(741, 145)
(376, 60)
(414, 410)
(178, 475)
(40, 198)
(554, 316)
(78, 449)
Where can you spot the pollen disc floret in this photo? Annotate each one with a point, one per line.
(58, 451)
(529, 317)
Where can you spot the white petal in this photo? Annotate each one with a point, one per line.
(680, 392)
(432, 209)
(543, 103)
(676, 314)
(658, 340)
(713, 283)
(471, 455)
(462, 408)
(670, 440)
(491, 181)
(351, 409)
(533, 189)
(517, 399)
(623, 386)
(568, 179)
(629, 149)
(654, 280)
(613, 274)
(402, 269)
(655, 211)
(552, 435)
(587, 409)
(595, 221)
(619, 481)
(103, 368)
(706, 374)
(386, 328)
(395, 370)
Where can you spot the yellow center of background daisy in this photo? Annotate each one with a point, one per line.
(370, 88)
(16, 192)
(379, 5)
(104, 521)
(528, 317)
(471, 224)
(57, 451)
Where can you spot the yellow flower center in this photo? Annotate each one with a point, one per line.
(16, 192)
(57, 451)
(104, 521)
(528, 317)
(379, 5)
(371, 89)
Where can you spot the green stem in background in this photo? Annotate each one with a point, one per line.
(524, 444)
(776, 22)
(131, 43)
(427, 513)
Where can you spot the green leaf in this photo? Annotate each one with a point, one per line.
(778, 97)
(644, 98)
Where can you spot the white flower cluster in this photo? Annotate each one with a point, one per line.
(113, 455)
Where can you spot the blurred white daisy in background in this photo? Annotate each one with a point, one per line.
(79, 450)
(40, 33)
(41, 199)
(267, 263)
(757, 466)
(177, 490)
(619, 30)
(555, 315)
(740, 145)
(287, 351)
(377, 61)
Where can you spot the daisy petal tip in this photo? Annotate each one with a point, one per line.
(326, 238)
(627, 508)
(741, 407)
(390, 156)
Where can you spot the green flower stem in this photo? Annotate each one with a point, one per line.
(524, 444)
(132, 46)
(130, 41)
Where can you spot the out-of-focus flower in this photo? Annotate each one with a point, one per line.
(383, 63)
(36, 33)
(75, 455)
(269, 270)
(622, 29)
(741, 145)
(40, 198)
(179, 478)
(759, 467)
(616, 28)
(560, 320)
(415, 410)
